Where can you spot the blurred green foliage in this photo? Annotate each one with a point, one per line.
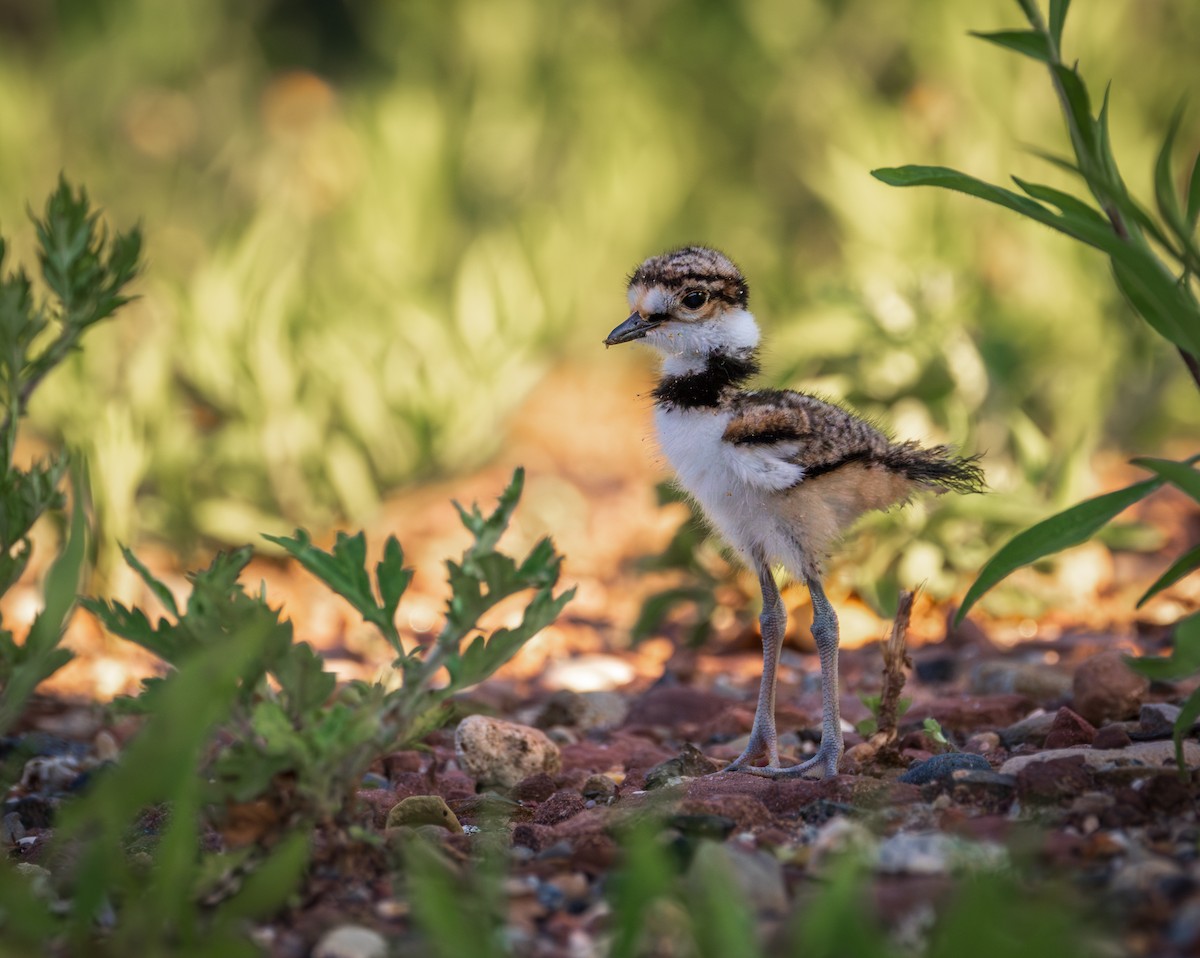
(376, 224)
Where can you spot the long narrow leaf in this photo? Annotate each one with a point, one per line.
(1168, 201)
(1193, 200)
(1061, 531)
(1029, 42)
(1188, 562)
(1058, 16)
(1183, 724)
(1079, 113)
(1179, 474)
(1184, 660)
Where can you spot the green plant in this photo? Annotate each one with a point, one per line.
(86, 272)
(1155, 263)
(320, 740)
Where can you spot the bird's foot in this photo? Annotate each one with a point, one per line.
(826, 760)
(761, 745)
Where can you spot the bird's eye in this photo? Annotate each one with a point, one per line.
(695, 299)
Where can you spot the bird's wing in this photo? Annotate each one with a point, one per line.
(801, 430)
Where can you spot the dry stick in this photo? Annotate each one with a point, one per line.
(895, 660)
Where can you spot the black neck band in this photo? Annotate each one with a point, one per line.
(697, 390)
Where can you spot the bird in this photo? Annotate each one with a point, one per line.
(779, 474)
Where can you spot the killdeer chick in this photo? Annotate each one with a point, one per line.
(780, 474)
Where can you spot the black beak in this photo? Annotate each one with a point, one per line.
(635, 327)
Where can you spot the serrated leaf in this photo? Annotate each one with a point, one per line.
(1061, 531)
(161, 592)
(303, 681)
(1180, 474)
(1029, 42)
(392, 576)
(1186, 563)
(488, 530)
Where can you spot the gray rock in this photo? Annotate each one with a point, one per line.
(1041, 682)
(599, 709)
(351, 941)
(936, 853)
(1158, 754)
(943, 766)
(982, 742)
(1156, 720)
(495, 752)
(12, 830)
(839, 837)
(758, 874)
(1031, 730)
(1137, 879)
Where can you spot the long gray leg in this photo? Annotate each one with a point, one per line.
(773, 622)
(825, 632)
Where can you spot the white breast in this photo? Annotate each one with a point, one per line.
(733, 484)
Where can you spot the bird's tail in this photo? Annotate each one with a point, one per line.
(937, 467)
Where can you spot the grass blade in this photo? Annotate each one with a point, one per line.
(1058, 16)
(1188, 562)
(1061, 531)
(1028, 42)
(1179, 474)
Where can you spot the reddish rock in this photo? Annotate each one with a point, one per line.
(971, 712)
(1169, 794)
(406, 761)
(536, 788)
(746, 810)
(559, 807)
(1107, 690)
(622, 751)
(1069, 729)
(376, 803)
(676, 706)
(1112, 736)
(535, 837)
(1054, 780)
(594, 853)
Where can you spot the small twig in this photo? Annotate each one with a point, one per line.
(895, 661)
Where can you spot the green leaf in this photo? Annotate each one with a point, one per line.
(1168, 200)
(487, 531)
(1193, 200)
(1079, 114)
(1188, 562)
(1061, 531)
(1028, 42)
(304, 684)
(1160, 302)
(1058, 16)
(1180, 474)
(1183, 724)
(1184, 660)
(161, 592)
(40, 657)
(1065, 202)
(270, 885)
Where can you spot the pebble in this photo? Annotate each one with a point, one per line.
(1149, 876)
(599, 788)
(1038, 681)
(942, 766)
(351, 941)
(11, 830)
(690, 763)
(1107, 690)
(1156, 720)
(1145, 753)
(837, 837)
(982, 742)
(1031, 730)
(936, 853)
(417, 810)
(595, 710)
(1111, 736)
(1068, 729)
(495, 752)
(758, 875)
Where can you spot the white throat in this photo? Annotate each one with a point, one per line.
(686, 347)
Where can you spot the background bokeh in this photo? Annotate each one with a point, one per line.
(373, 228)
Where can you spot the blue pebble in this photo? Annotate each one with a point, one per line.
(943, 766)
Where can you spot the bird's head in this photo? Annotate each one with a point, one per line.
(689, 304)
